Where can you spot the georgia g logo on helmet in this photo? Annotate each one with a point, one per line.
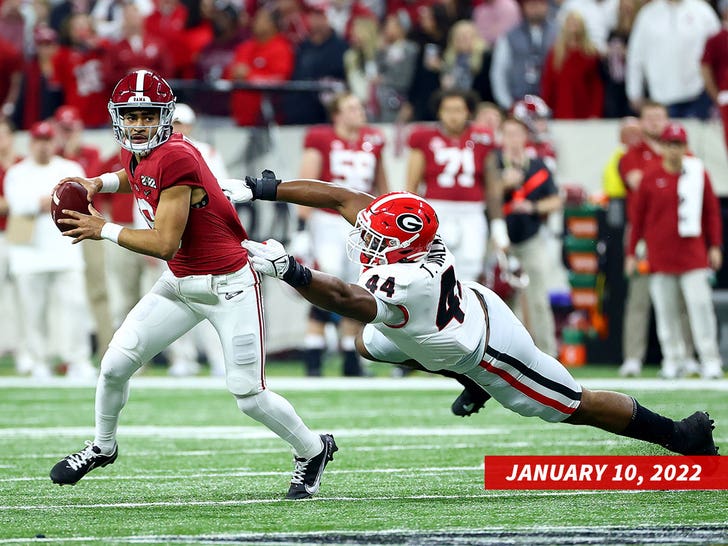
(411, 223)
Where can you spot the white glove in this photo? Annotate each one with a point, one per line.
(269, 257)
(236, 190)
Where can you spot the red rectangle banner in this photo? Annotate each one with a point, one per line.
(605, 472)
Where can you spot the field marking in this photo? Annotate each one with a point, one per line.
(240, 433)
(258, 473)
(306, 384)
(169, 504)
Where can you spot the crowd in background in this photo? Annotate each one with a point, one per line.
(586, 58)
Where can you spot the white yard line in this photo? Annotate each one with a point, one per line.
(358, 384)
(243, 502)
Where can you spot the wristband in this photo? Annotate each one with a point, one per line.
(296, 275)
(499, 232)
(109, 183)
(111, 232)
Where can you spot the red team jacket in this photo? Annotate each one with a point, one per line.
(211, 240)
(655, 221)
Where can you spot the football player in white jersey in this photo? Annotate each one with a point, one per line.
(416, 310)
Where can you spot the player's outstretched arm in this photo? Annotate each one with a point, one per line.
(325, 291)
(310, 193)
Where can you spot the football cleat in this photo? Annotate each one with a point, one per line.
(307, 474)
(469, 402)
(74, 467)
(694, 436)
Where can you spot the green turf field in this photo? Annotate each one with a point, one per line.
(193, 469)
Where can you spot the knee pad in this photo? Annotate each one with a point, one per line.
(117, 366)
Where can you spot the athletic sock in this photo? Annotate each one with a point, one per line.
(649, 426)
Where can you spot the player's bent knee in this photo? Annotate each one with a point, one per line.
(249, 404)
(118, 365)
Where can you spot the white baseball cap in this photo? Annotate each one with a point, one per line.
(183, 114)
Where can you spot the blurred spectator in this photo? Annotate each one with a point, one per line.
(616, 104)
(69, 135)
(534, 113)
(600, 16)
(185, 121)
(14, 22)
(216, 56)
(642, 157)
(407, 7)
(714, 68)
(62, 11)
(630, 135)
(167, 23)
(40, 96)
(136, 48)
(46, 267)
(292, 21)
(529, 196)
(678, 216)
(265, 57)
(518, 56)
(318, 58)
(346, 152)
(664, 54)
(446, 165)
(430, 35)
(490, 116)
(396, 64)
(8, 328)
(79, 70)
(466, 61)
(360, 61)
(108, 16)
(571, 83)
(11, 68)
(342, 13)
(495, 18)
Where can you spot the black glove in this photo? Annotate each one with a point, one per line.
(265, 187)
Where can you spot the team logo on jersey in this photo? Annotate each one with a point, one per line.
(148, 181)
(411, 223)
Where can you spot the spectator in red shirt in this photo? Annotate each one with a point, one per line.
(571, 84)
(714, 67)
(167, 23)
(136, 48)
(678, 216)
(79, 70)
(265, 57)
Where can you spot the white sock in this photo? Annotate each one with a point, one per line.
(111, 397)
(278, 414)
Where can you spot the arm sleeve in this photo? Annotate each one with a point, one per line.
(388, 313)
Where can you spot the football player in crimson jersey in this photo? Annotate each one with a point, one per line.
(446, 165)
(347, 152)
(195, 228)
(417, 310)
(534, 113)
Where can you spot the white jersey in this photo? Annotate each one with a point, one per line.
(443, 324)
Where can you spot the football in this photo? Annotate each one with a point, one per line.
(69, 196)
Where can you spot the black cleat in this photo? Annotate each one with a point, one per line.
(74, 467)
(694, 435)
(307, 474)
(469, 402)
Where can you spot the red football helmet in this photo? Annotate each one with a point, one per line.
(137, 90)
(506, 277)
(395, 227)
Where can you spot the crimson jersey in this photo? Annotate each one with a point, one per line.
(211, 239)
(454, 166)
(641, 157)
(350, 163)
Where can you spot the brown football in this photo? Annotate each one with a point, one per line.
(69, 196)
